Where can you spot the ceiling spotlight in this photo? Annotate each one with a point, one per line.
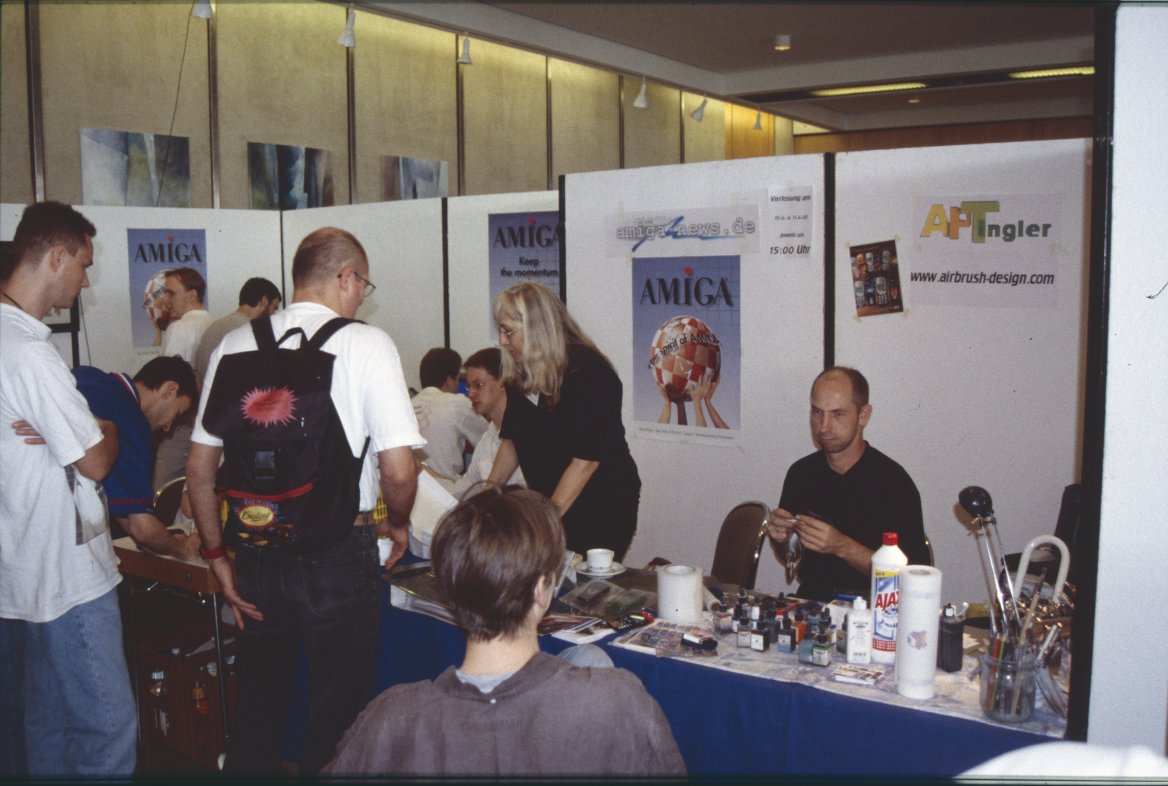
(757, 122)
(782, 43)
(700, 111)
(202, 9)
(914, 100)
(347, 38)
(641, 101)
(464, 58)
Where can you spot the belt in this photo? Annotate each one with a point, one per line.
(364, 519)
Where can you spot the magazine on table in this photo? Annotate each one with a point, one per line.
(664, 638)
(574, 628)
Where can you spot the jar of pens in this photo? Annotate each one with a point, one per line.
(1007, 682)
(1025, 624)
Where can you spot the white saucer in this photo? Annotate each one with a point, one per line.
(615, 570)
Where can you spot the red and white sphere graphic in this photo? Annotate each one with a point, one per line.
(152, 294)
(683, 353)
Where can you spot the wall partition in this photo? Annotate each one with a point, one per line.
(666, 265)
(977, 371)
(403, 241)
(119, 328)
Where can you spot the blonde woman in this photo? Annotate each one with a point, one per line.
(570, 443)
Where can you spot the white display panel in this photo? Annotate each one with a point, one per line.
(1128, 706)
(403, 241)
(468, 238)
(982, 390)
(688, 486)
(240, 244)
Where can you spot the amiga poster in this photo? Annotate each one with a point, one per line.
(524, 247)
(152, 253)
(687, 343)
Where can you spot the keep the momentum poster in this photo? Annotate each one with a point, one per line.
(687, 348)
(524, 247)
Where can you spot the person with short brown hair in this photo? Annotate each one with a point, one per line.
(184, 291)
(508, 710)
(64, 684)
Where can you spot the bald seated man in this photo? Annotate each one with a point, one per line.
(842, 498)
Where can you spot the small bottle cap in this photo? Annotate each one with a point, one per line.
(890, 539)
(860, 603)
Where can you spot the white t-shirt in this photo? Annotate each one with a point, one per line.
(448, 422)
(182, 336)
(44, 571)
(368, 390)
(481, 463)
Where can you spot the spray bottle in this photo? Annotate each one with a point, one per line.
(887, 562)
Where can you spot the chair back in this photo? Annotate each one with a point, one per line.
(168, 499)
(740, 543)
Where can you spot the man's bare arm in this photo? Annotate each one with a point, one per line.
(152, 535)
(398, 476)
(99, 459)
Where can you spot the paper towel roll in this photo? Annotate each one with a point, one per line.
(916, 631)
(679, 593)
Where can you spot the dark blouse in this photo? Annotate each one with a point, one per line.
(586, 424)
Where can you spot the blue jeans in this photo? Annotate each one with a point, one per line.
(327, 602)
(79, 715)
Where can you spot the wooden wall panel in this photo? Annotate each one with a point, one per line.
(705, 140)
(282, 80)
(585, 119)
(653, 134)
(784, 136)
(504, 98)
(928, 136)
(15, 155)
(404, 82)
(742, 140)
(116, 66)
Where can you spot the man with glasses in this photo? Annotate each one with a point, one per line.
(326, 599)
(445, 417)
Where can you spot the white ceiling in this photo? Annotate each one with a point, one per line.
(725, 50)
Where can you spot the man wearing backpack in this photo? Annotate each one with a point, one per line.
(303, 579)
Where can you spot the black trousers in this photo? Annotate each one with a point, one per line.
(327, 602)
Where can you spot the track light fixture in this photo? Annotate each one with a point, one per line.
(782, 43)
(642, 101)
(698, 113)
(464, 58)
(347, 38)
(757, 122)
(202, 9)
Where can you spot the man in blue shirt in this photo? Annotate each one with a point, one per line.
(147, 404)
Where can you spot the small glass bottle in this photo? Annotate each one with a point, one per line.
(199, 696)
(157, 686)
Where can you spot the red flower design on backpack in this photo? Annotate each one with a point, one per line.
(269, 406)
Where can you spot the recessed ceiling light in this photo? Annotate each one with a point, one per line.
(1049, 72)
(914, 100)
(782, 43)
(860, 89)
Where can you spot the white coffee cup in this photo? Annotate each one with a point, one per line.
(600, 559)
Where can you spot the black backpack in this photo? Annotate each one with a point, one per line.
(288, 476)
